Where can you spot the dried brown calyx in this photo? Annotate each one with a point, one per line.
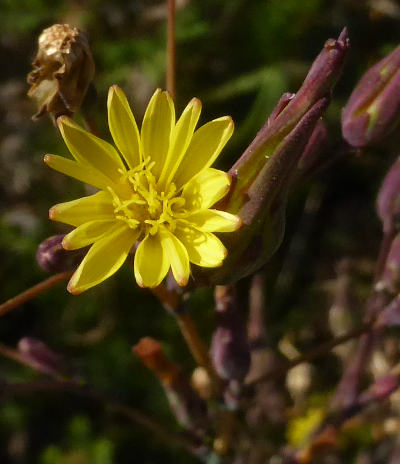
(63, 70)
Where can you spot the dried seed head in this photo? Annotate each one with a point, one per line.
(63, 70)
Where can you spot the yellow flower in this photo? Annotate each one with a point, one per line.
(158, 191)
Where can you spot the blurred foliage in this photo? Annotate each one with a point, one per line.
(238, 57)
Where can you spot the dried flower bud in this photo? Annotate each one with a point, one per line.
(188, 408)
(52, 257)
(230, 348)
(264, 173)
(63, 70)
(42, 358)
(373, 109)
(388, 204)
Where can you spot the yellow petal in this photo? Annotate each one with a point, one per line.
(151, 263)
(177, 256)
(204, 248)
(123, 126)
(77, 212)
(212, 220)
(84, 173)
(206, 145)
(103, 259)
(205, 189)
(88, 233)
(90, 150)
(158, 122)
(181, 136)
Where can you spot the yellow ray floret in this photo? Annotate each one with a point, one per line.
(157, 190)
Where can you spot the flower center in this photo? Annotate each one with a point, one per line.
(146, 206)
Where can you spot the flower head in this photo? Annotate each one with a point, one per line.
(158, 190)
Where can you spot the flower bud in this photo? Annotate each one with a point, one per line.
(373, 109)
(230, 348)
(189, 410)
(263, 174)
(52, 257)
(42, 358)
(388, 203)
(318, 83)
(310, 158)
(63, 70)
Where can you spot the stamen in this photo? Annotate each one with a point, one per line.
(147, 207)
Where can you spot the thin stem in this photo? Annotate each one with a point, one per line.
(34, 291)
(321, 350)
(172, 302)
(171, 50)
(383, 253)
(187, 440)
(80, 387)
(349, 384)
(327, 432)
(15, 355)
(198, 349)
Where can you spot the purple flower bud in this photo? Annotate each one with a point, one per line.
(390, 280)
(310, 157)
(318, 83)
(264, 173)
(42, 358)
(374, 106)
(388, 204)
(230, 348)
(263, 207)
(52, 257)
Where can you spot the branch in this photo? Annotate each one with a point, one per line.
(33, 292)
(171, 49)
(326, 435)
(185, 439)
(315, 353)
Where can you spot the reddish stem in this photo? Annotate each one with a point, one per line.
(34, 291)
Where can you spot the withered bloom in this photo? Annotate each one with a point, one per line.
(63, 70)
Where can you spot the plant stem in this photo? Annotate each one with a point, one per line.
(171, 49)
(198, 349)
(81, 388)
(189, 441)
(34, 291)
(314, 353)
(348, 386)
